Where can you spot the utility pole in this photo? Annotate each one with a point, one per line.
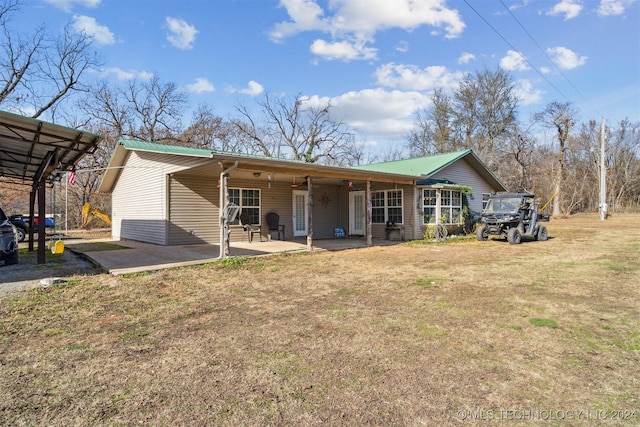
(603, 176)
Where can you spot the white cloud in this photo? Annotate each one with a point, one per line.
(182, 35)
(411, 77)
(121, 74)
(613, 7)
(342, 50)
(565, 58)
(253, 89)
(376, 112)
(514, 61)
(362, 19)
(569, 8)
(89, 26)
(305, 16)
(67, 5)
(201, 85)
(527, 94)
(466, 57)
(403, 47)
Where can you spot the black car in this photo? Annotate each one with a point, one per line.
(8, 241)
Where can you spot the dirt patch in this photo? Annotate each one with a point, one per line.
(541, 333)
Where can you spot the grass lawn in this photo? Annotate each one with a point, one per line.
(458, 333)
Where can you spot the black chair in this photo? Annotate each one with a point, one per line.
(273, 221)
(245, 222)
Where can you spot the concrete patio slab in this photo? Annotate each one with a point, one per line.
(133, 257)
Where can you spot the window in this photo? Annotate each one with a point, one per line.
(429, 203)
(485, 199)
(450, 206)
(249, 202)
(386, 206)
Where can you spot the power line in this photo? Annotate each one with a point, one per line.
(542, 50)
(517, 51)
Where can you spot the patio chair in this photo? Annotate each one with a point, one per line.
(245, 222)
(273, 221)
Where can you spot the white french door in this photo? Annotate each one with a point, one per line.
(357, 213)
(300, 217)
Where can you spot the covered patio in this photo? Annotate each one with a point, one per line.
(125, 257)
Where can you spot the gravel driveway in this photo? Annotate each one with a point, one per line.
(28, 273)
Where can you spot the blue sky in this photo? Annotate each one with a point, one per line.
(376, 61)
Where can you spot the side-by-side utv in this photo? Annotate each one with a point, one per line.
(511, 215)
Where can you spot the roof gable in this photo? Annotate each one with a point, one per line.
(430, 165)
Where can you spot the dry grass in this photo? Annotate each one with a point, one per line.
(415, 334)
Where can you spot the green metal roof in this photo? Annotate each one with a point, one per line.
(420, 166)
(134, 144)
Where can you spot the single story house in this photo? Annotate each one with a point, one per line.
(170, 195)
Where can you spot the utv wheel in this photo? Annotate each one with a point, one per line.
(481, 233)
(542, 233)
(513, 236)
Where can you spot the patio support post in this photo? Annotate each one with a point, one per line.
(310, 214)
(223, 214)
(438, 212)
(225, 249)
(369, 215)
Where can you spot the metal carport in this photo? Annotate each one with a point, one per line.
(31, 150)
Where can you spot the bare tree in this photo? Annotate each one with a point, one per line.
(485, 108)
(434, 127)
(208, 130)
(158, 108)
(623, 165)
(145, 110)
(561, 118)
(516, 154)
(39, 70)
(294, 128)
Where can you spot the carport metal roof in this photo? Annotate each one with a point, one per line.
(32, 149)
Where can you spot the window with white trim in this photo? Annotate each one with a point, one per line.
(249, 201)
(386, 206)
(450, 206)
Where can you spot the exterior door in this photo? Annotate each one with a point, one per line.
(357, 213)
(300, 217)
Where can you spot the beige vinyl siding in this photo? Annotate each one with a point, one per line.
(326, 218)
(139, 200)
(460, 172)
(193, 210)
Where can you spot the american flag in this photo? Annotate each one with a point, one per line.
(72, 177)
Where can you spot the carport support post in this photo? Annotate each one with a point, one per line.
(42, 185)
(310, 214)
(32, 203)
